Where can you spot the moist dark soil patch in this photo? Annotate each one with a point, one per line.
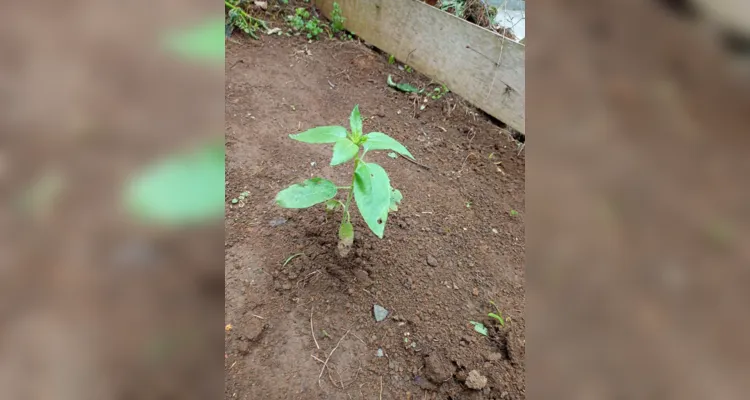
(465, 213)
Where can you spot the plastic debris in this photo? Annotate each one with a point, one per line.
(379, 312)
(479, 327)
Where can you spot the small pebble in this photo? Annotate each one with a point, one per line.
(432, 261)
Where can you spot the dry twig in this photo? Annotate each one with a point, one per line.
(329, 356)
(312, 331)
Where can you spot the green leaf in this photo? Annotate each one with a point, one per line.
(362, 177)
(355, 121)
(497, 317)
(306, 194)
(346, 238)
(381, 141)
(396, 198)
(404, 87)
(343, 151)
(180, 189)
(479, 327)
(346, 232)
(321, 134)
(202, 42)
(331, 205)
(373, 204)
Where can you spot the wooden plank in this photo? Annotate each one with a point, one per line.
(479, 65)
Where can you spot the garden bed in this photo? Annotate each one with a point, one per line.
(455, 244)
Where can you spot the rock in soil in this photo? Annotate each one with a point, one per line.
(494, 356)
(476, 381)
(437, 368)
(363, 277)
(432, 261)
(252, 331)
(424, 383)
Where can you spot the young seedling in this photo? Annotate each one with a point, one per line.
(370, 186)
(498, 316)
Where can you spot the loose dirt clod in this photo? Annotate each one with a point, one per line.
(476, 381)
(437, 368)
(432, 261)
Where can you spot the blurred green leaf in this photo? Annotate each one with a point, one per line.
(180, 189)
(204, 42)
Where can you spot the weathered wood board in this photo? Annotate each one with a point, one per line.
(479, 65)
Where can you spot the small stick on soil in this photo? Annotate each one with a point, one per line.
(312, 331)
(360, 339)
(414, 162)
(329, 356)
(464, 163)
(381, 388)
(258, 316)
(336, 370)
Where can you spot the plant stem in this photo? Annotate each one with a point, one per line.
(351, 192)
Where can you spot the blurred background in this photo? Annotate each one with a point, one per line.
(638, 116)
(106, 106)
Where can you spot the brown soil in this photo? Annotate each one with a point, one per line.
(457, 213)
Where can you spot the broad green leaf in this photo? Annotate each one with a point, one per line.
(355, 121)
(321, 134)
(202, 42)
(306, 194)
(343, 151)
(373, 204)
(396, 198)
(181, 189)
(381, 141)
(362, 177)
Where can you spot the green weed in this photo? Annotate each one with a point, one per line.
(439, 92)
(237, 17)
(303, 23)
(337, 19)
(370, 185)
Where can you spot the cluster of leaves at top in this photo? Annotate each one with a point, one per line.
(311, 26)
(301, 22)
(370, 186)
(237, 17)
